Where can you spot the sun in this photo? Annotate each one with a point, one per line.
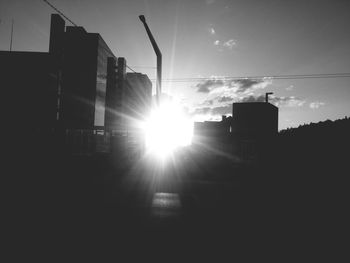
(166, 129)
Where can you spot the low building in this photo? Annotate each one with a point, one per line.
(212, 137)
(253, 130)
(30, 88)
(249, 135)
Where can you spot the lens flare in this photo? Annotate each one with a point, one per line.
(167, 129)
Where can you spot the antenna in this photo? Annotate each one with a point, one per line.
(52, 6)
(11, 35)
(267, 96)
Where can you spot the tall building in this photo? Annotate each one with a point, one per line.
(114, 94)
(84, 79)
(68, 83)
(78, 86)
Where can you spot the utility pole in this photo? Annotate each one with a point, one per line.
(159, 59)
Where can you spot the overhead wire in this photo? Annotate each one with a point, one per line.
(279, 77)
(57, 10)
(224, 78)
(131, 69)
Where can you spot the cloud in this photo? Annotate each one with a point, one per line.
(225, 99)
(316, 104)
(289, 88)
(290, 101)
(202, 111)
(207, 102)
(209, 2)
(211, 30)
(208, 85)
(214, 111)
(252, 98)
(222, 110)
(229, 43)
(245, 84)
(229, 87)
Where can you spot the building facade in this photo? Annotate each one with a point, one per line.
(253, 130)
(255, 118)
(84, 79)
(64, 87)
(137, 99)
(30, 89)
(79, 88)
(249, 135)
(114, 95)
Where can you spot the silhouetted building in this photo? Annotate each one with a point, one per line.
(72, 76)
(212, 137)
(255, 118)
(77, 88)
(209, 131)
(137, 99)
(29, 85)
(84, 77)
(114, 94)
(248, 135)
(63, 88)
(254, 128)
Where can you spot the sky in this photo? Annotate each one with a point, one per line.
(214, 40)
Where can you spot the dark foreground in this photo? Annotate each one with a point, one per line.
(92, 208)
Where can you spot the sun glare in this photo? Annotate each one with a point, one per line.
(167, 129)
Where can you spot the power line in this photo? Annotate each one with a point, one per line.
(144, 67)
(131, 69)
(47, 2)
(109, 51)
(228, 78)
